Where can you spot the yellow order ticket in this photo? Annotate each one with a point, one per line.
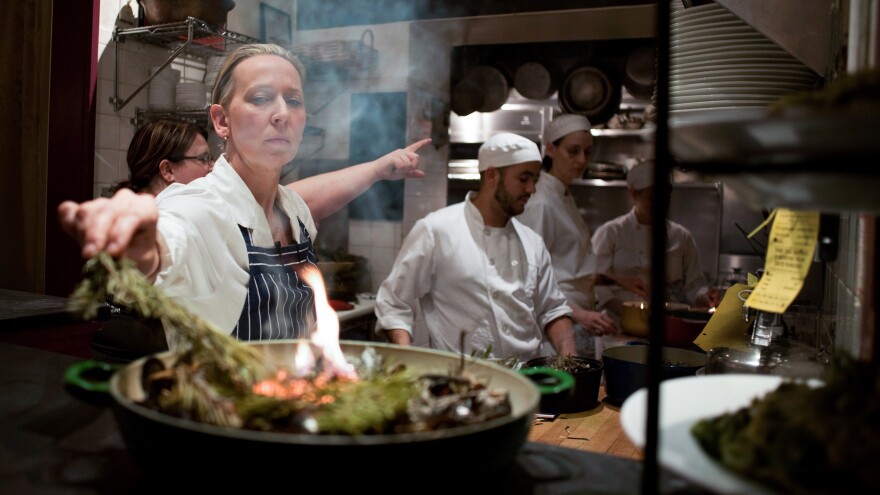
(789, 255)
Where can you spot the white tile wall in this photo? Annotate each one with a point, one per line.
(114, 130)
(377, 241)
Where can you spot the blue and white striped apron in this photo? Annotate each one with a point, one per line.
(279, 304)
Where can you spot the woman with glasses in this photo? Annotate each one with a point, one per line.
(166, 151)
(231, 246)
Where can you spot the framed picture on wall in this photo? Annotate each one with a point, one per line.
(274, 26)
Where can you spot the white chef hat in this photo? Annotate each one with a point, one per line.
(564, 125)
(505, 149)
(641, 175)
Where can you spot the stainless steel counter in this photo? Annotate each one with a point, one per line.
(358, 323)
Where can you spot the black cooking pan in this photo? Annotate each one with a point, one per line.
(165, 446)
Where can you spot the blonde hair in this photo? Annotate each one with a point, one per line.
(224, 85)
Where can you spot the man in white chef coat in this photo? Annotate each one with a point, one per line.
(471, 267)
(623, 248)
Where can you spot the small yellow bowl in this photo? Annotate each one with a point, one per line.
(634, 318)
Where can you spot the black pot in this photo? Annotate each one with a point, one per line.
(626, 366)
(164, 445)
(583, 397)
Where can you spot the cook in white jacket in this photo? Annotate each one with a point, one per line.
(471, 267)
(623, 248)
(553, 214)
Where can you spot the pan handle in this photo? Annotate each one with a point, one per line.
(91, 376)
(549, 381)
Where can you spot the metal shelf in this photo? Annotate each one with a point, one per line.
(198, 116)
(194, 37)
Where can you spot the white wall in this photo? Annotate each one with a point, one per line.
(377, 241)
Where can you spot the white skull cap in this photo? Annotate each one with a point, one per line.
(641, 175)
(505, 149)
(564, 125)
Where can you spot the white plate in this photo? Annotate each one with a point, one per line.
(711, 30)
(713, 21)
(695, 117)
(707, 97)
(742, 70)
(709, 103)
(723, 51)
(741, 64)
(740, 82)
(716, 40)
(683, 401)
(716, 92)
(731, 57)
(704, 43)
(685, 21)
(698, 12)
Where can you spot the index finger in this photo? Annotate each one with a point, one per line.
(418, 144)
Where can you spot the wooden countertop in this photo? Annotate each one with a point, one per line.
(600, 425)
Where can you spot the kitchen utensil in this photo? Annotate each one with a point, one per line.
(467, 97)
(634, 318)
(591, 91)
(213, 12)
(683, 402)
(536, 80)
(638, 76)
(783, 357)
(626, 367)
(585, 393)
(495, 87)
(162, 89)
(681, 332)
(165, 446)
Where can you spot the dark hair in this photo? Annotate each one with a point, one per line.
(154, 142)
(547, 161)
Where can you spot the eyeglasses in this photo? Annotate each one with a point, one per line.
(204, 158)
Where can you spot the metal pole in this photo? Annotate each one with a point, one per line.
(662, 189)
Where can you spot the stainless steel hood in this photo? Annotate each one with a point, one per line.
(804, 28)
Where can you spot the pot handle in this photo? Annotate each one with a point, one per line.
(549, 381)
(90, 376)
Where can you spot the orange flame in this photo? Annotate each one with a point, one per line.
(326, 333)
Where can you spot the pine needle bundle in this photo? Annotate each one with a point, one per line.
(214, 375)
(234, 363)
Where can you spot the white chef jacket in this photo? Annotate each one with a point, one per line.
(623, 247)
(204, 264)
(554, 215)
(444, 267)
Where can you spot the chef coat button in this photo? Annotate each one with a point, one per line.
(495, 295)
(514, 263)
(491, 261)
(505, 328)
(486, 232)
